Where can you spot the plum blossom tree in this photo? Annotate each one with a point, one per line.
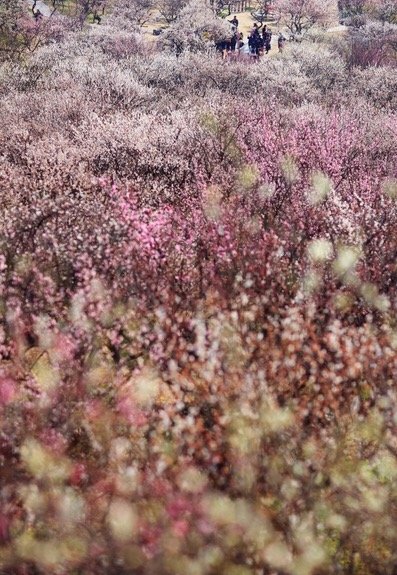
(170, 9)
(261, 13)
(195, 29)
(374, 44)
(86, 7)
(220, 5)
(11, 12)
(352, 7)
(378, 86)
(132, 14)
(21, 34)
(383, 10)
(301, 15)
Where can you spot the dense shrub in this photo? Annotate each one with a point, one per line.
(378, 86)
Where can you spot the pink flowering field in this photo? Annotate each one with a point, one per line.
(198, 291)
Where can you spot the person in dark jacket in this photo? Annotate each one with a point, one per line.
(267, 39)
(255, 41)
(234, 22)
(233, 42)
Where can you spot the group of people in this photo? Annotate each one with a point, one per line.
(259, 40)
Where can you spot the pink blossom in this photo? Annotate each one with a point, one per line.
(7, 390)
(180, 528)
(128, 409)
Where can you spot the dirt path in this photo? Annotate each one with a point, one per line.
(44, 9)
